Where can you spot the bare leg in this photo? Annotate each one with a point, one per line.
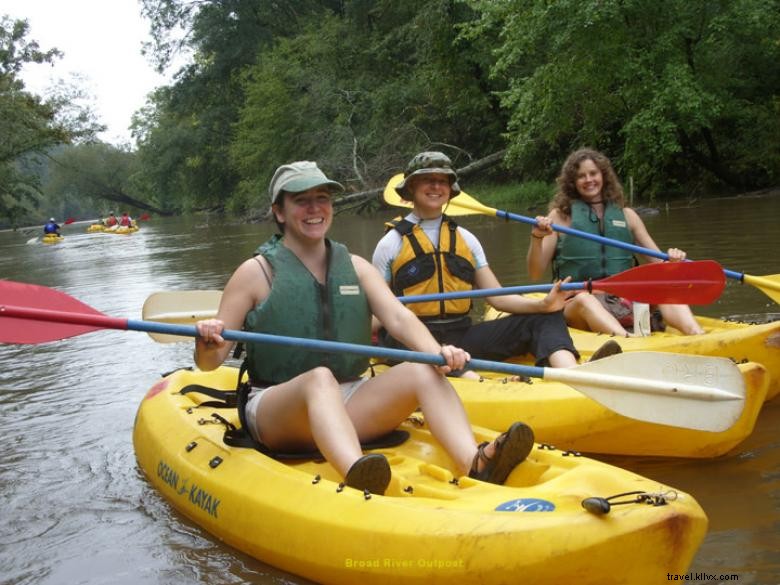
(383, 402)
(307, 411)
(585, 312)
(680, 317)
(562, 358)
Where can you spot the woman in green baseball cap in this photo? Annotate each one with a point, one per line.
(301, 284)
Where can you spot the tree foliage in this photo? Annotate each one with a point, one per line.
(687, 91)
(363, 92)
(184, 140)
(100, 173)
(683, 97)
(30, 125)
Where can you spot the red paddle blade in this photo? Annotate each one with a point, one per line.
(34, 298)
(685, 283)
(69, 221)
(145, 217)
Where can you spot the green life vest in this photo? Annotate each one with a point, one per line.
(299, 306)
(583, 259)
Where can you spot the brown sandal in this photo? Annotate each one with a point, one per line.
(512, 447)
(610, 348)
(371, 472)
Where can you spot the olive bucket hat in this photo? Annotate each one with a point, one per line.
(428, 163)
(297, 177)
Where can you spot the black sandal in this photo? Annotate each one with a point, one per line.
(371, 472)
(512, 447)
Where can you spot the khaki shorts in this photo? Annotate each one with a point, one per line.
(257, 393)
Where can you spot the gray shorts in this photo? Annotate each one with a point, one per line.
(256, 396)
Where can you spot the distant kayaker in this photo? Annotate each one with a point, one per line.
(51, 227)
(111, 220)
(590, 199)
(427, 252)
(302, 399)
(125, 220)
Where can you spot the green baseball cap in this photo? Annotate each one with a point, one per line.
(297, 177)
(428, 163)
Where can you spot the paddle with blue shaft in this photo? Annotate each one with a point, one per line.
(690, 283)
(696, 392)
(465, 204)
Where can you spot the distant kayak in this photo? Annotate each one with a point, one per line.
(126, 230)
(114, 229)
(554, 522)
(52, 239)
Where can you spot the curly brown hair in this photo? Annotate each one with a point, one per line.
(611, 189)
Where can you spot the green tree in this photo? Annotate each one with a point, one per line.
(358, 85)
(363, 90)
(683, 90)
(99, 173)
(29, 124)
(185, 138)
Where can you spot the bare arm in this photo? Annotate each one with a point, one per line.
(541, 248)
(554, 301)
(399, 321)
(245, 289)
(642, 238)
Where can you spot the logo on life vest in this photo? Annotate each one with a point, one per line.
(526, 505)
(618, 223)
(349, 289)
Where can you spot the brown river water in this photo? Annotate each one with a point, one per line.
(75, 507)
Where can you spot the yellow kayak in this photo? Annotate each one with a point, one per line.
(52, 239)
(96, 227)
(563, 417)
(742, 342)
(430, 527)
(126, 230)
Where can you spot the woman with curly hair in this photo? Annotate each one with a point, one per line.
(590, 199)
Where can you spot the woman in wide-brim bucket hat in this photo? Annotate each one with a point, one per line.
(428, 163)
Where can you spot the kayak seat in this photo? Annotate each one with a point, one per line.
(238, 437)
(391, 439)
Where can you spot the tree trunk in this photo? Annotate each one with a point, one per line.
(124, 199)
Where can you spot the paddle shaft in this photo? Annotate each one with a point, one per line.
(596, 238)
(490, 292)
(698, 282)
(653, 291)
(563, 375)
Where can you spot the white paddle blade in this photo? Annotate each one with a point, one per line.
(689, 391)
(180, 308)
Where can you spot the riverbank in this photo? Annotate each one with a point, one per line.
(535, 196)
